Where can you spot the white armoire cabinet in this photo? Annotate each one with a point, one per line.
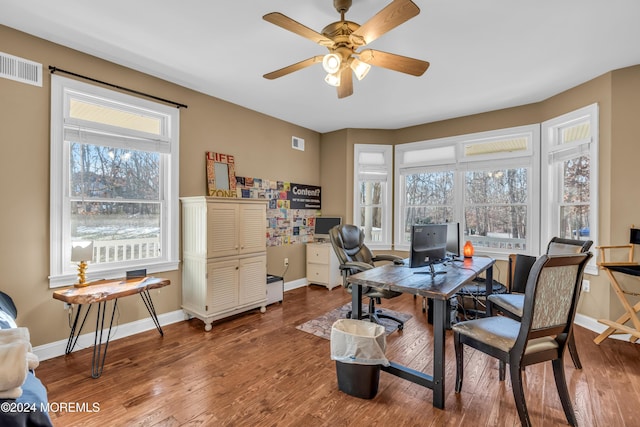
(224, 251)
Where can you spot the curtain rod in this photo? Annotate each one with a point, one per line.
(53, 69)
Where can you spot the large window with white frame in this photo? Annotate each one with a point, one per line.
(485, 181)
(373, 166)
(570, 165)
(114, 181)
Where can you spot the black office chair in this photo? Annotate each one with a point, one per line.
(511, 304)
(551, 296)
(354, 256)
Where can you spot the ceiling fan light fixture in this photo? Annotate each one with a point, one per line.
(333, 79)
(331, 63)
(360, 69)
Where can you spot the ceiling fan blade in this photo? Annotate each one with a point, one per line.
(294, 67)
(346, 83)
(395, 13)
(289, 24)
(394, 62)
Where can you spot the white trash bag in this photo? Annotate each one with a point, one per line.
(358, 341)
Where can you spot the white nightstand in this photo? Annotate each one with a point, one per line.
(322, 265)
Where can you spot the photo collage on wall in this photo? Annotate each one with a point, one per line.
(291, 210)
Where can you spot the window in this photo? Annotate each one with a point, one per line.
(427, 187)
(373, 166)
(485, 181)
(570, 151)
(114, 181)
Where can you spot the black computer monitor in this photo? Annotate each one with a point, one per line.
(428, 245)
(323, 225)
(453, 239)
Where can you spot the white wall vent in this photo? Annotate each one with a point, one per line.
(20, 70)
(297, 143)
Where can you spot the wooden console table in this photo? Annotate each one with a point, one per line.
(100, 292)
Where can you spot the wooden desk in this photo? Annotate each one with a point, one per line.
(619, 327)
(440, 288)
(100, 292)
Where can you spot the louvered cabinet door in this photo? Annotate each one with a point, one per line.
(253, 232)
(253, 279)
(223, 228)
(222, 286)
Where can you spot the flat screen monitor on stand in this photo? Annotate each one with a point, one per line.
(323, 225)
(453, 240)
(428, 247)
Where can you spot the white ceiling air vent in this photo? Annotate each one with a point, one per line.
(297, 143)
(20, 70)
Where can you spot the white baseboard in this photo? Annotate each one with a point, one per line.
(55, 349)
(295, 284)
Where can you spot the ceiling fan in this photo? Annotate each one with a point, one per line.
(343, 38)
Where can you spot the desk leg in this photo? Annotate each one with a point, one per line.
(73, 335)
(439, 322)
(356, 301)
(97, 363)
(488, 290)
(146, 298)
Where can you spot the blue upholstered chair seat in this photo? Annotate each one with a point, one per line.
(513, 303)
(501, 333)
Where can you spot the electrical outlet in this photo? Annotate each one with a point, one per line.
(286, 262)
(586, 286)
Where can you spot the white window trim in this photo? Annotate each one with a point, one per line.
(62, 272)
(460, 165)
(387, 152)
(550, 220)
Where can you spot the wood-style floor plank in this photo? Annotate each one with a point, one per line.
(258, 369)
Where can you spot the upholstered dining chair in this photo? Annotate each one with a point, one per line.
(542, 334)
(354, 256)
(511, 304)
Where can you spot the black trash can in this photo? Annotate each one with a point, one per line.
(358, 348)
(358, 380)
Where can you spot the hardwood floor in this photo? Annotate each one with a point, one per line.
(258, 369)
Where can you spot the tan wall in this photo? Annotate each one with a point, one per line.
(334, 164)
(260, 144)
(518, 116)
(624, 189)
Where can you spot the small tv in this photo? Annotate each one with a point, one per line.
(323, 225)
(453, 239)
(428, 245)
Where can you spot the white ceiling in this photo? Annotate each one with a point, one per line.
(484, 54)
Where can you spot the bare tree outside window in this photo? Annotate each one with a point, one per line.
(576, 198)
(496, 208)
(114, 196)
(429, 198)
